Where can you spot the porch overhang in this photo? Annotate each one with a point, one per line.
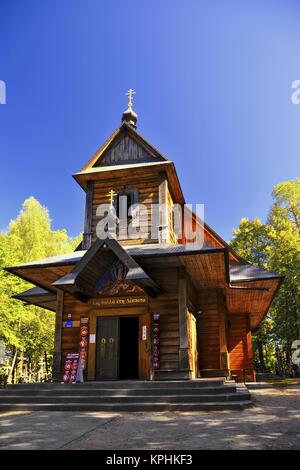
(39, 297)
(247, 288)
(84, 278)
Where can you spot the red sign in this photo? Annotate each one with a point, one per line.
(71, 367)
(83, 341)
(155, 335)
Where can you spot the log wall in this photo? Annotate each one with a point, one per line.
(208, 330)
(240, 347)
(147, 187)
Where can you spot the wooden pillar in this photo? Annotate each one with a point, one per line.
(224, 356)
(163, 234)
(92, 348)
(249, 341)
(249, 372)
(87, 235)
(56, 368)
(183, 321)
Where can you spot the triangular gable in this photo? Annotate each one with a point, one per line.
(83, 280)
(125, 150)
(124, 146)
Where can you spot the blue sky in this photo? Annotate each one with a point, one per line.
(213, 82)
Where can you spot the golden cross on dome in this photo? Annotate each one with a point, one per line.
(111, 196)
(130, 94)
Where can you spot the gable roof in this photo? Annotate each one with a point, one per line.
(110, 161)
(125, 130)
(97, 260)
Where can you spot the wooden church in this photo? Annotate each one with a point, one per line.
(151, 307)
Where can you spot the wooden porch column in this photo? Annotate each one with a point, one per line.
(87, 234)
(92, 347)
(183, 321)
(224, 356)
(56, 368)
(249, 372)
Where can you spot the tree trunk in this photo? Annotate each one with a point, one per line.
(10, 376)
(262, 364)
(46, 363)
(279, 362)
(289, 365)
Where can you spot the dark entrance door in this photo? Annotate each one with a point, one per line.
(117, 352)
(107, 348)
(129, 348)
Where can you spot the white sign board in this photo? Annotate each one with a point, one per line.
(92, 339)
(144, 332)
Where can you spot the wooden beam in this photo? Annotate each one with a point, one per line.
(249, 355)
(92, 347)
(163, 234)
(224, 356)
(56, 368)
(87, 235)
(192, 297)
(183, 320)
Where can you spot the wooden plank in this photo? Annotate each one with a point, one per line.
(224, 357)
(92, 348)
(145, 363)
(183, 321)
(57, 364)
(208, 330)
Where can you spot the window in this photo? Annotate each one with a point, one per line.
(125, 199)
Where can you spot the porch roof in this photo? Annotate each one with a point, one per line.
(238, 272)
(248, 288)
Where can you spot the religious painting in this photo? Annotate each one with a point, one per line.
(120, 287)
(113, 282)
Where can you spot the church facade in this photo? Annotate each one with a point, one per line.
(146, 303)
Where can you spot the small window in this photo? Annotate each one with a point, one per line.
(121, 204)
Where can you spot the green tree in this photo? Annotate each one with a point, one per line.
(252, 240)
(28, 329)
(276, 246)
(284, 217)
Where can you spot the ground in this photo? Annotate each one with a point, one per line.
(273, 422)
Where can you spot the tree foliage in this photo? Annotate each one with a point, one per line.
(29, 237)
(275, 245)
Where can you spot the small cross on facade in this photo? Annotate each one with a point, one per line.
(111, 196)
(130, 94)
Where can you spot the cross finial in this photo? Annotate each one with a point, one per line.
(130, 94)
(111, 196)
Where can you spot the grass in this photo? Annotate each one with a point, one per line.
(284, 382)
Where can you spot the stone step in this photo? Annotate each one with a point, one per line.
(117, 396)
(171, 374)
(75, 390)
(119, 384)
(211, 373)
(127, 407)
(72, 399)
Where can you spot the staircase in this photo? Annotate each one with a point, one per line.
(193, 395)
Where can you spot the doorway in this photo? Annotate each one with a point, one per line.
(129, 348)
(117, 351)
